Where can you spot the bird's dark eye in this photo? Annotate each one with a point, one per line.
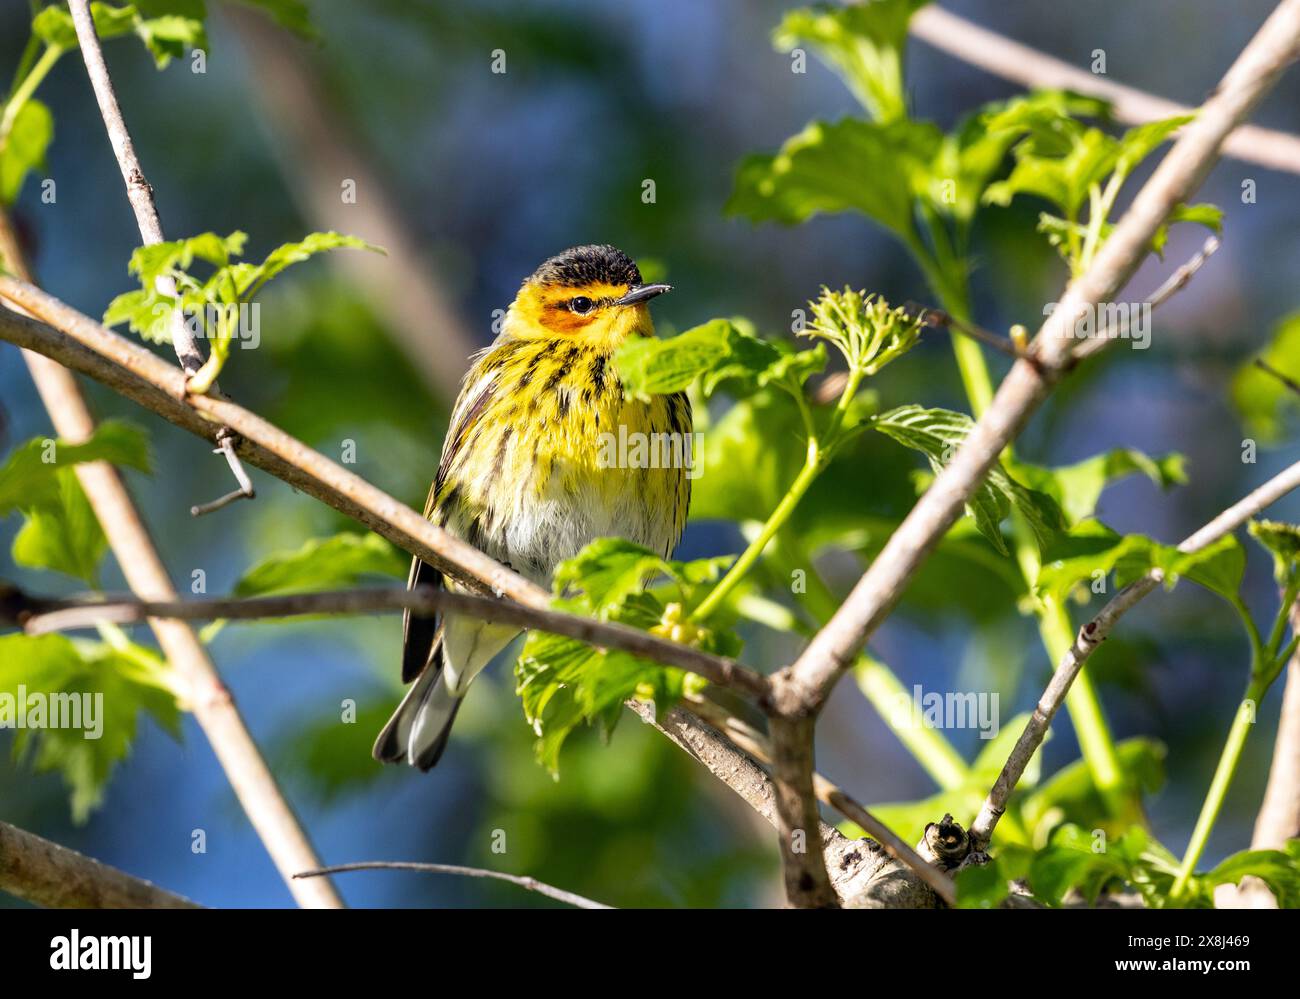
(581, 305)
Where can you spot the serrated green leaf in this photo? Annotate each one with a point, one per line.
(1279, 869)
(342, 560)
(1076, 488)
(717, 352)
(1282, 541)
(563, 683)
(863, 43)
(850, 165)
(28, 476)
(62, 535)
(100, 691)
(1261, 398)
(938, 433)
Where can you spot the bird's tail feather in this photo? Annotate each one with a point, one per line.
(418, 731)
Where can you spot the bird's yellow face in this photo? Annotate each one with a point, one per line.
(592, 296)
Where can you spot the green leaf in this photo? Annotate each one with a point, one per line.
(852, 165)
(1076, 488)
(1070, 795)
(1219, 567)
(863, 43)
(149, 263)
(986, 886)
(1091, 547)
(28, 476)
(293, 15)
(563, 683)
(719, 351)
(342, 560)
(288, 254)
(62, 534)
(1261, 398)
(938, 433)
(1074, 166)
(99, 691)
(1079, 860)
(230, 284)
(53, 24)
(1279, 869)
(1282, 541)
(23, 150)
(1210, 216)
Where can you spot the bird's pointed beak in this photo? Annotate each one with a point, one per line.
(642, 293)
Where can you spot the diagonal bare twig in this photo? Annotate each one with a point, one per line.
(1095, 632)
(140, 194)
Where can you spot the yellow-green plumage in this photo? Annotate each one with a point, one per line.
(523, 479)
(526, 473)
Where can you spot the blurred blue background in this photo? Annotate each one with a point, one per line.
(492, 173)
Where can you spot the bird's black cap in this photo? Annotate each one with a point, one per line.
(584, 265)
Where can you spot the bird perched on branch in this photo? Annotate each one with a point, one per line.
(524, 477)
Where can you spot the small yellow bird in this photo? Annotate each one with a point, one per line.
(524, 476)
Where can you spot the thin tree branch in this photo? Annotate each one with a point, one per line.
(1254, 73)
(1095, 632)
(531, 884)
(218, 716)
(1010, 60)
(1173, 284)
(66, 615)
(140, 194)
(54, 877)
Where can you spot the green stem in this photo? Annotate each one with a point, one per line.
(1223, 774)
(935, 753)
(876, 680)
(23, 92)
(807, 475)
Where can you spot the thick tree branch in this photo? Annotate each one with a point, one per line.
(65, 615)
(861, 872)
(251, 779)
(1010, 60)
(530, 884)
(754, 744)
(1028, 383)
(52, 876)
(140, 194)
(1095, 632)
